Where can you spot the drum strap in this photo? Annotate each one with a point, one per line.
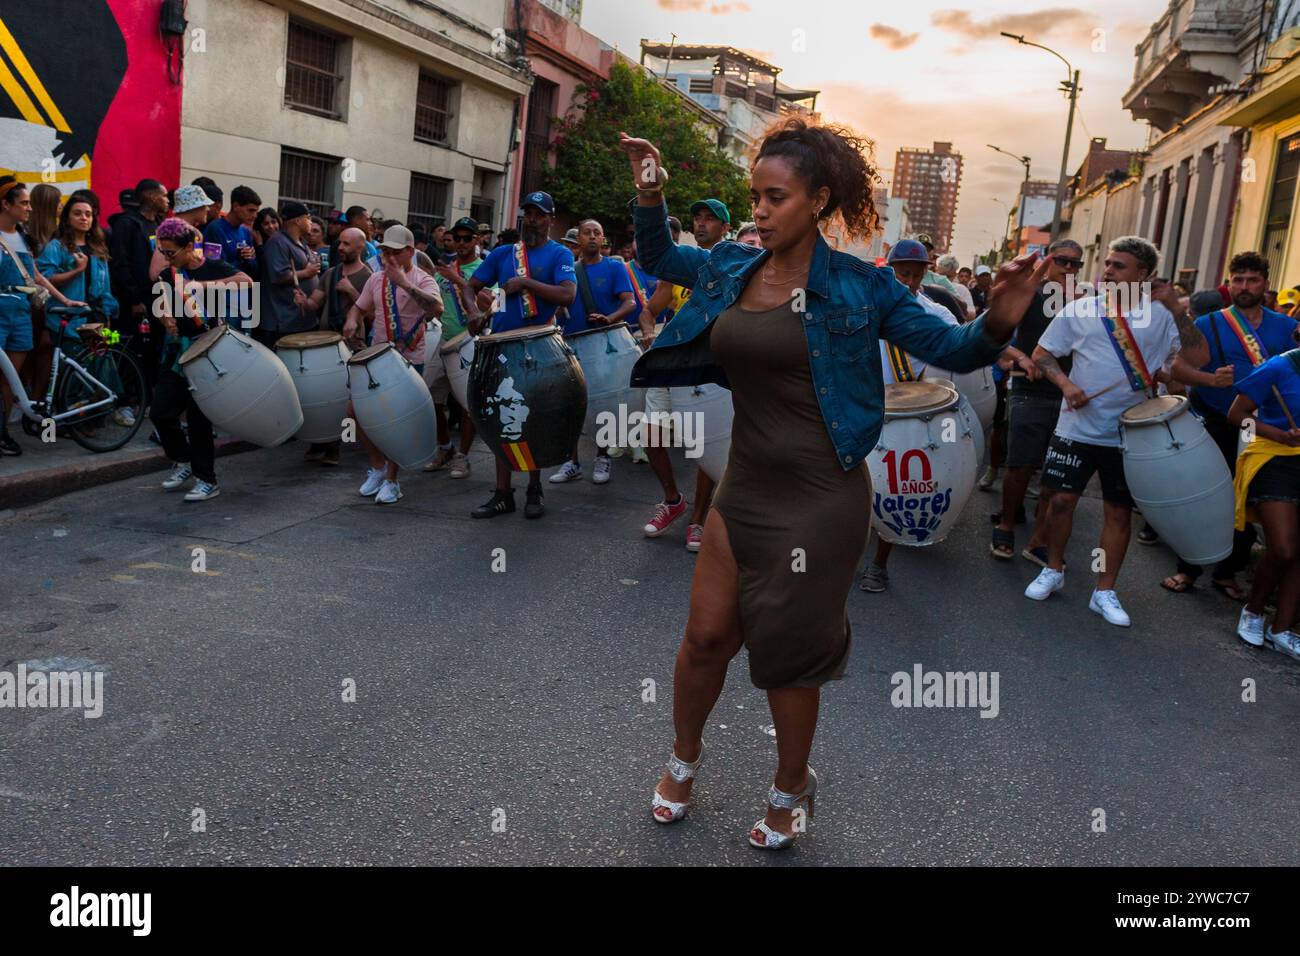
(1250, 342)
(394, 318)
(584, 288)
(638, 288)
(901, 363)
(527, 301)
(1126, 350)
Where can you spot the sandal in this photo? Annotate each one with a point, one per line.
(1179, 587)
(764, 837)
(667, 811)
(1230, 590)
(1003, 545)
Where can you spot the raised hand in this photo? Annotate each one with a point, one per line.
(645, 160)
(1012, 291)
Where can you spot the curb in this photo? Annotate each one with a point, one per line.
(33, 487)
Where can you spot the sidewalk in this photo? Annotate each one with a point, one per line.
(46, 471)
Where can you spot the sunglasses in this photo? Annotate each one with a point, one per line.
(171, 253)
(463, 238)
(1065, 262)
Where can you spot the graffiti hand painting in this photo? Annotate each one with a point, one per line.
(59, 73)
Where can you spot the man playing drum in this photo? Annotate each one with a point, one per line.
(400, 297)
(1235, 341)
(453, 281)
(535, 277)
(605, 297)
(1119, 343)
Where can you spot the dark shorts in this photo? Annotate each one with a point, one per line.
(1031, 421)
(1070, 465)
(1278, 479)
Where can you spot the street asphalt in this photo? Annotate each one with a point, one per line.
(500, 717)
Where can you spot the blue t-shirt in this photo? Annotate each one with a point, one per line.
(1258, 387)
(221, 231)
(1274, 334)
(648, 284)
(607, 278)
(551, 263)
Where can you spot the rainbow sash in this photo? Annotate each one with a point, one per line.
(527, 301)
(1130, 356)
(393, 318)
(637, 288)
(1250, 343)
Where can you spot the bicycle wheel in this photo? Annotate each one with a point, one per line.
(113, 426)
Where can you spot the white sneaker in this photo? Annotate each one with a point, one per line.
(389, 492)
(202, 491)
(124, 417)
(1250, 628)
(601, 473)
(639, 457)
(1288, 642)
(374, 478)
(1106, 603)
(569, 471)
(1048, 581)
(616, 452)
(180, 474)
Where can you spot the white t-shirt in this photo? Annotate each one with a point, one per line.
(963, 293)
(1078, 331)
(15, 241)
(918, 365)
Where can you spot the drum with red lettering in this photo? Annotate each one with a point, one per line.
(923, 467)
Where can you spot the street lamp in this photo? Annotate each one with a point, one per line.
(1024, 190)
(1070, 86)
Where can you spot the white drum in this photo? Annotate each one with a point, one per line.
(701, 419)
(456, 356)
(242, 387)
(982, 393)
(318, 365)
(393, 405)
(607, 354)
(923, 468)
(1177, 476)
(432, 341)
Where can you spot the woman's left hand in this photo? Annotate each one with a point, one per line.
(1012, 292)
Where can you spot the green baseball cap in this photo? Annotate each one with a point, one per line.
(715, 206)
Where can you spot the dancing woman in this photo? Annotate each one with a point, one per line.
(793, 329)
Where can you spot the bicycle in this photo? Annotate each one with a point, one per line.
(96, 393)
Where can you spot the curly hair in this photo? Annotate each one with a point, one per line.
(832, 156)
(178, 231)
(1248, 262)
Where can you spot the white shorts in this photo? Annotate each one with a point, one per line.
(435, 376)
(658, 400)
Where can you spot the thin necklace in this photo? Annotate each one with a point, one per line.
(780, 276)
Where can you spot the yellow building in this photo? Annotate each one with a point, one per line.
(1268, 203)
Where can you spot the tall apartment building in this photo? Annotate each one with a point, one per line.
(929, 180)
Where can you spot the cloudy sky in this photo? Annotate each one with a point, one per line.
(907, 74)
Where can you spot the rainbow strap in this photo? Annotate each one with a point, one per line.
(527, 301)
(637, 288)
(393, 317)
(1253, 347)
(1130, 356)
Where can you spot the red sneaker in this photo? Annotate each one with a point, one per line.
(665, 514)
(694, 537)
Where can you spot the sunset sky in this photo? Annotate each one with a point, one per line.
(907, 74)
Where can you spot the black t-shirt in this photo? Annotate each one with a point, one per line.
(943, 297)
(980, 298)
(1037, 319)
(186, 325)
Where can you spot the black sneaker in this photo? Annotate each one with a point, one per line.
(501, 503)
(8, 446)
(533, 507)
(1147, 535)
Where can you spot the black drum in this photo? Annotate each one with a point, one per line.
(527, 395)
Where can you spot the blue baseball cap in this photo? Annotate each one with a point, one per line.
(541, 200)
(907, 250)
(715, 206)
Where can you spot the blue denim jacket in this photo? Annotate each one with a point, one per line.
(91, 287)
(850, 307)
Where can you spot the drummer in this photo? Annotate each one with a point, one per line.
(535, 277)
(453, 281)
(605, 297)
(399, 298)
(1113, 355)
(180, 307)
(1267, 484)
(1235, 341)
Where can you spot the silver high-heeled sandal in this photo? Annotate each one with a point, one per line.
(774, 839)
(666, 811)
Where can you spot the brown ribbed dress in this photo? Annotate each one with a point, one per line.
(784, 490)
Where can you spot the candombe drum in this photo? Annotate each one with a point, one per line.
(318, 365)
(980, 391)
(456, 356)
(607, 354)
(1177, 476)
(923, 468)
(242, 387)
(706, 414)
(393, 405)
(527, 395)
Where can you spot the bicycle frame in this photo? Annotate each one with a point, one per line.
(76, 368)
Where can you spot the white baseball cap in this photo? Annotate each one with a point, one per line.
(983, 271)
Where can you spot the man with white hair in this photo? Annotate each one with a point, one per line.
(947, 266)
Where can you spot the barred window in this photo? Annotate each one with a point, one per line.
(311, 76)
(700, 85)
(309, 178)
(432, 109)
(427, 207)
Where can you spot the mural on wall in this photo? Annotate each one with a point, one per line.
(85, 96)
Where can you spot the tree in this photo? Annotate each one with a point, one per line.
(591, 176)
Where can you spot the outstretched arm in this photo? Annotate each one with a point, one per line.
(656, 251)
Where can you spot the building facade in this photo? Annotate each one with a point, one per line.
(929, 181)
(407, 108)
